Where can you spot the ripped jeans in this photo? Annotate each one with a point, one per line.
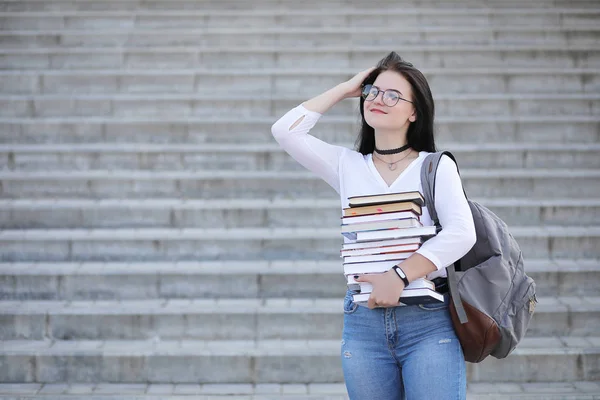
(402, 353)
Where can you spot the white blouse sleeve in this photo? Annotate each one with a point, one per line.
(312, 153)
(457, 236)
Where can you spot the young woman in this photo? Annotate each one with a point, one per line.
(389, 351)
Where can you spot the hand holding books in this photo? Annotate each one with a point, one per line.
(381, 232)
(419, 291)
(387, 289)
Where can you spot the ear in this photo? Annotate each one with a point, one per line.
(413, 117)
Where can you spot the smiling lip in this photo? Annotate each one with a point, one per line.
(377, 111)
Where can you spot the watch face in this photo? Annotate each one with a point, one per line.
(400, 272)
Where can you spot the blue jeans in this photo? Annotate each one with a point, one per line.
(404, 352)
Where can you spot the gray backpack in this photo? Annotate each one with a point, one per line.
(492, 298)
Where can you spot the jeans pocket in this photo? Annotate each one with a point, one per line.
(436, 306)
(433, 306)
(349, 305)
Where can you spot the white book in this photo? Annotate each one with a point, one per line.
(378, 257)
(380, 250)
(378, 217)
(381, 243)
(408, 297)
(352, 231)
(366, 287)
(369, 267)
(395, 233)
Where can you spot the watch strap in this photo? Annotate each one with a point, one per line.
(401, 276)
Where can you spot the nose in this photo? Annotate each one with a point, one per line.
(375, 100)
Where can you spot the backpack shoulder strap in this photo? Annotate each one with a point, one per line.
(428, 172)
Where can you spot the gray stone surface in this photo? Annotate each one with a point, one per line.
(260, 184)
(250, 244)
(275, 318)
(463, 130)
(194, 280)
(181, 79)
(340, 36)
(498, 391)
(268, 158)
(136, 105)
(173, 213)
(271, 361)
(457, 56)
(114, 282)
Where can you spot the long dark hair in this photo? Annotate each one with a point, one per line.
(420, 133)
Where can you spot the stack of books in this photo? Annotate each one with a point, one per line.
(382, 231)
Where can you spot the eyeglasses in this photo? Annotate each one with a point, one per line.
(390, 97)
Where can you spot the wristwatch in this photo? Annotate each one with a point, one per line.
(401, 274)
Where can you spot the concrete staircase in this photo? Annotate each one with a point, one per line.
(150, 246)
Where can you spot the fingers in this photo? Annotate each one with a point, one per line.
(363, 74)
(355, 82)
(372, 303)
(369, 69)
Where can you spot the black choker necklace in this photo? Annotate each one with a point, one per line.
(392, 151)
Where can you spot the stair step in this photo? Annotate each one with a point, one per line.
(293, 99)
(287, 30)
(340, 72)
(258, 233)
(457, 9)
(256, 204)
(543, 359)
(253, 213)
(185, 244)
(299, 50)
(455, 56)
(236, 319)
(514, 9)
(256, 279)
(268, 157)
(458, 130)
(273, 147)
(344, 119)
(192, 106)
(309, 8)
(347, 36)
(165, 76)
(314, 391)
(520, 183)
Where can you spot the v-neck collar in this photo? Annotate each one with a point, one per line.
(380, 179)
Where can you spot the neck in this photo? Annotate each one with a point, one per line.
(386, 140)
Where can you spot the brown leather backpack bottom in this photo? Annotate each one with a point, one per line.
(479, 336)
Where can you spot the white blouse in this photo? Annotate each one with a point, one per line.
(351, 173)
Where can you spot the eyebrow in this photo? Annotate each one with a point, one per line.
(389, 89)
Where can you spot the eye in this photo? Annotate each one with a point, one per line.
(366, 90)
(392, 95)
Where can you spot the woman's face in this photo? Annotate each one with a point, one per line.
(393, 117)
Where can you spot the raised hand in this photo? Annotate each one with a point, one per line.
(353, 85)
